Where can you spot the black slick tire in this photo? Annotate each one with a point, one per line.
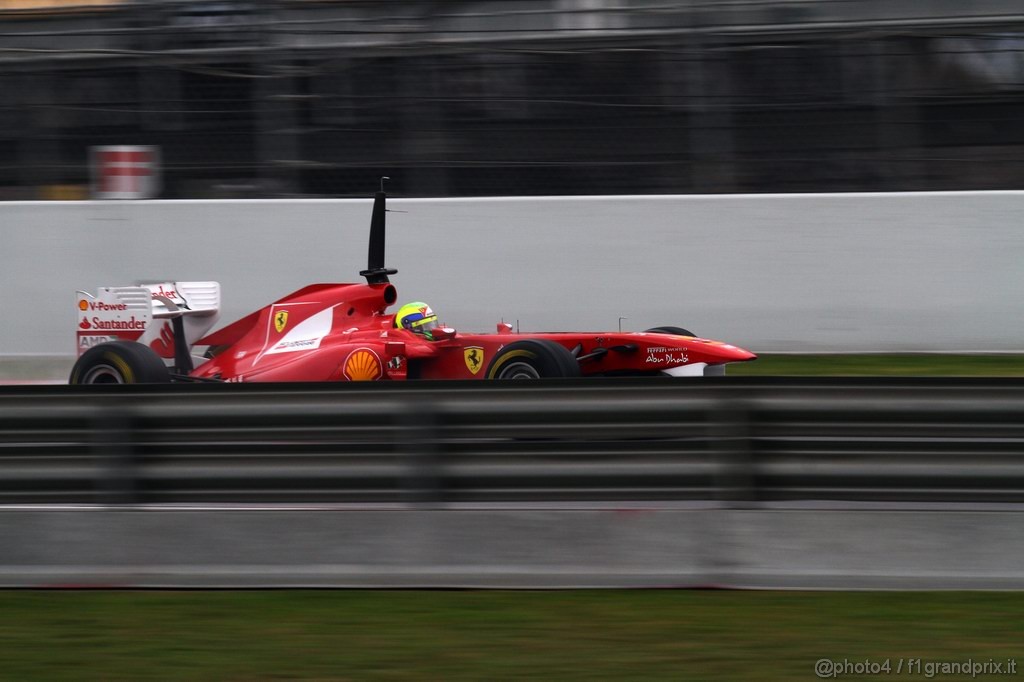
(533, 359)
(120, 362)
(675, 331)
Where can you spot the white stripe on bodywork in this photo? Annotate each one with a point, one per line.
(307, 334)
(694, 369)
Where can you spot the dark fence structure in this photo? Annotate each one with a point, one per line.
(734, 442)
(832, 483)
(270, 98)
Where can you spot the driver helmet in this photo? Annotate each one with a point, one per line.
(417, 317)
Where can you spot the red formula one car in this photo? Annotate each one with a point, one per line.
(343, 332)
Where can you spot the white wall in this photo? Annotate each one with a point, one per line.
(922, 271)
(512, 548)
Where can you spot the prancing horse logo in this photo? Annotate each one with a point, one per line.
(280, 320)
(474, 356)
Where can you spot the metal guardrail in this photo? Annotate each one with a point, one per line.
(730, 440)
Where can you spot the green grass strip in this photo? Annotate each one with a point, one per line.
(493, 635)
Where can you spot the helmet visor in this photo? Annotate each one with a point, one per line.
(426, 325)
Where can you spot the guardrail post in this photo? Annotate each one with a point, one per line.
(419, 430)
(731, 432)
(113, 445)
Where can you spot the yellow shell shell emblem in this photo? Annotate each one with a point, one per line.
(362, 364)
(474, 357)
(280, 320)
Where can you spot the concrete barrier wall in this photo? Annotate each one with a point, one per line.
(514, 548)
(770, 272)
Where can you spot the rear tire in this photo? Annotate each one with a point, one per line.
(533, 359)
(675, 331)
(120, 362)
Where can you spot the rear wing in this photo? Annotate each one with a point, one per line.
(144, 314)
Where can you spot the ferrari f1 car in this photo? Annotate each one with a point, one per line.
(343, 332)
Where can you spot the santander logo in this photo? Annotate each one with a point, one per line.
(84, 324)
(167, 293)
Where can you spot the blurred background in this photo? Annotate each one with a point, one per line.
(281, 98)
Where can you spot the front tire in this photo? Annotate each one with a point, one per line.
(533, 359)
(675, 331)
(120, 362)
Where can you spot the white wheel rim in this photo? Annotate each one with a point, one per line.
(519, 370)
(102, 374)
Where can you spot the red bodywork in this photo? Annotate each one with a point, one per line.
(342, 332)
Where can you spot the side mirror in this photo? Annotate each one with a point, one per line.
(442, 333)
(504, 328)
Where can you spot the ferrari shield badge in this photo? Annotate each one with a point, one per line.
(280, 320)
(474, 356)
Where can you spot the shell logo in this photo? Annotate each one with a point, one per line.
(83, 305)
(362, 364)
